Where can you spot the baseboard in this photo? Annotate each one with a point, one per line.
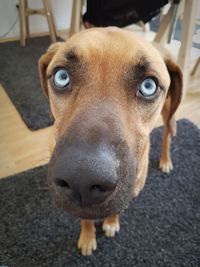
(62, 33)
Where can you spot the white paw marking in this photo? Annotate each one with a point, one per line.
(111, 229)
(87, 245)
(166, 166)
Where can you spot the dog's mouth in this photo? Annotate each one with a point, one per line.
(116, 203)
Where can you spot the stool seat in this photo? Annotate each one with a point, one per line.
(25, 12)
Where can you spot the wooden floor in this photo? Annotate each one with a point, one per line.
(22, 149)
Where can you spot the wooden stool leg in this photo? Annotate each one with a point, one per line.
(188, 26)
(163, 30)
(52, 16)
(76, 17)
(22, 12)
(27, 19)
(196, 69)
(173, 22)
(50, 20)
(164, 35)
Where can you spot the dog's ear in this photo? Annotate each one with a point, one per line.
(44, 62)
(174, 95)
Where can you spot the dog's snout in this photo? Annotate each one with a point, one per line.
(85, 175)
(93, 192)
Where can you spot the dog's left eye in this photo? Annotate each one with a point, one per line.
(148, 87)
(61, 78)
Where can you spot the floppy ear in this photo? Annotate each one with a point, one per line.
(44, 62)
(174, 95)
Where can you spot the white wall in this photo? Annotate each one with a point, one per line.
(8, 14)
(61, 9)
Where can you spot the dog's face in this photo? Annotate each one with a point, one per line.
(106, 89)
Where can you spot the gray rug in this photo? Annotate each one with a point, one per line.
(160, 228)
(19, 77)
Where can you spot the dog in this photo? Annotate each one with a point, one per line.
(106, 88)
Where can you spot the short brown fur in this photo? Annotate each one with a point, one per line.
(105, 57)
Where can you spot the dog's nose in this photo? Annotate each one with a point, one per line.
(86, 176)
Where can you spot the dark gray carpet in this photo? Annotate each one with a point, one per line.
(19, 77)
(160, 228)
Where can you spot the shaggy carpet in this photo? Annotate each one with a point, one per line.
(20, 78)
(160, 228)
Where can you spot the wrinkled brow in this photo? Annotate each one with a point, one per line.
(141, 67)
(70, 59)
(72, 55)
(137, 69)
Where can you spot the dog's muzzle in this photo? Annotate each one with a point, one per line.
(85, 174)
(91, 171)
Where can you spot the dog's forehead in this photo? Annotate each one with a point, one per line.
(114, 40)
(113, 45)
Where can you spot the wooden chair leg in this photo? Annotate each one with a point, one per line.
(27, 19)
(188, 27)
(53, 18)
(50, 20)
(196, 69)
(76, 17)
(166, 27)
(162, 34)
(173, 22)
(23, 30)
(145, 26)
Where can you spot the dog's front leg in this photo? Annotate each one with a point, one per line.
(87, 240)
(111, 225)
(165, 163)
(169, 130)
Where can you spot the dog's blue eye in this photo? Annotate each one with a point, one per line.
(148, 87)
(61, 78)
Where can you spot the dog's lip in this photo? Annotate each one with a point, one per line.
(91, 212)
(88, 214)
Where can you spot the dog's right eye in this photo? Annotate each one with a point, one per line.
(61, 79)
(148, 87)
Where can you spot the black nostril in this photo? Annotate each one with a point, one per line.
(61, 183)
(98, 188)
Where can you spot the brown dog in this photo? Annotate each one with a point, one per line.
(106, 89)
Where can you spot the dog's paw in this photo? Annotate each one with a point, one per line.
(166, 166)
(111, 226)
(87, 244)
